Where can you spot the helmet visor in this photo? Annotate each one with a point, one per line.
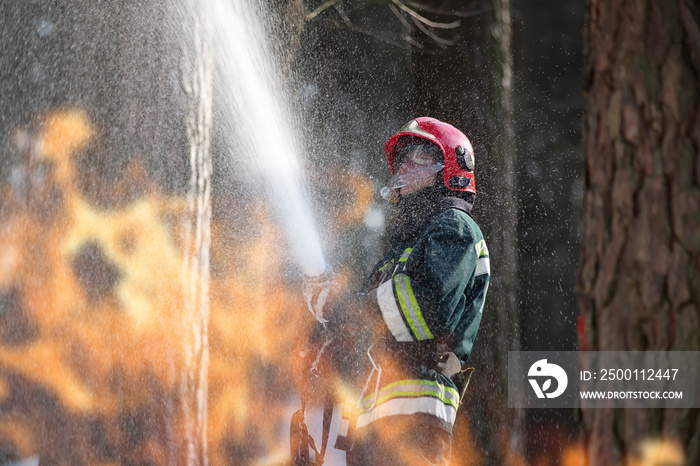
(416, 150)
(417, 174)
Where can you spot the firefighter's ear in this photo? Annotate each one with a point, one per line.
(465, 158)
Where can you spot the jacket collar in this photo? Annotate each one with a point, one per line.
(418, 210)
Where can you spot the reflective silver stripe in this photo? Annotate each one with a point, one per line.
(396, 406)
(481, 309)
(409, 397)
(483, 266)
(413, 127)
(412, 313)
(391, 313)
(406, 253)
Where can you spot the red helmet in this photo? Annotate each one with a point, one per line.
(458, 155)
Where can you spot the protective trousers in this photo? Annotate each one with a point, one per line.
(401, 440)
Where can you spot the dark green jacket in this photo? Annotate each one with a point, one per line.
(434, 286)
(429, 287)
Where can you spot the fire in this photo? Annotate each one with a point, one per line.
(62, 134)
(91, 349)
(657, 452)
(92, 354)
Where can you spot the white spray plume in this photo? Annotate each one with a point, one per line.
(263, 122)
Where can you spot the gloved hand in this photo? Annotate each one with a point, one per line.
(316, 291)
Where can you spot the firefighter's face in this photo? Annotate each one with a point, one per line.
(416, 159)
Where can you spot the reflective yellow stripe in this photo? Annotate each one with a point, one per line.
(408, 406)
(406, 314)
(349, 418)
(404, 256)
(386, 266)
(412, 297)
(481, 249)
(349, 409)
(417, 393)
(415, 388)
(415, 382)
(410, 308)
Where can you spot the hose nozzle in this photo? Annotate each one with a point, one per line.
(389, 194)
(316, 290)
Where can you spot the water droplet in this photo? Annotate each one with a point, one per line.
(44, 27)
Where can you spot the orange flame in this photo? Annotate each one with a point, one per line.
(91, 347)
(90, 344)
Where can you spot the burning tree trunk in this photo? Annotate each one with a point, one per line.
(639, 281)
(471, 86)
(197, 71)
(110, 88)
(147, 80)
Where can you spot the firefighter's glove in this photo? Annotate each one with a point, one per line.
(316, 291)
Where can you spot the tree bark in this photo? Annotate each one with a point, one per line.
(142, 72)
(471, 86)
(197, 72)
(639, 280)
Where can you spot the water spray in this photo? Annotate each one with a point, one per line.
(266, 138)
(270, 147)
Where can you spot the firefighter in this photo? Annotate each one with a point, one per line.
(419, 313)
(427, 295)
